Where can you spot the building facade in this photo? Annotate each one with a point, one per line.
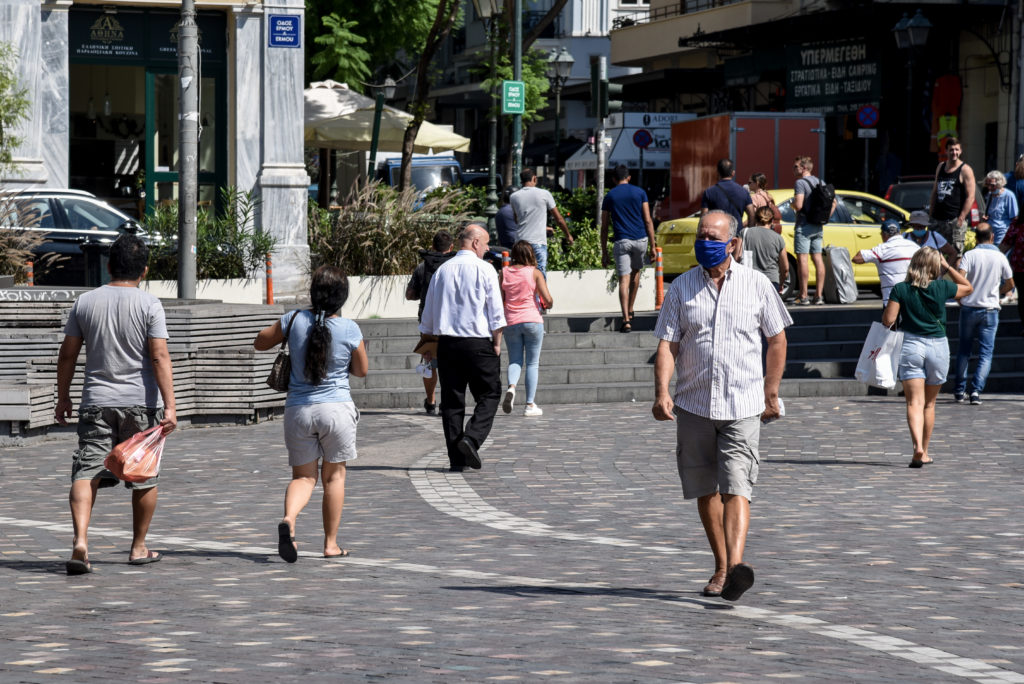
(103, 83)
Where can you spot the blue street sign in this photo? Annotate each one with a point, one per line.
(643, 138)
(285, 30)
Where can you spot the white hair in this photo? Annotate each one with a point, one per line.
(997, 177)
(734, 225)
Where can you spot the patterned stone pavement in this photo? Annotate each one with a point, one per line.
(570, 557)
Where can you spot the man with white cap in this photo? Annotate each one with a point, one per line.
(923, 236)
(891, 257)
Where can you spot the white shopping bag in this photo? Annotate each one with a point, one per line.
(880, 357)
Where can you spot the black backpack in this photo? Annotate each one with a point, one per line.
(818, 205)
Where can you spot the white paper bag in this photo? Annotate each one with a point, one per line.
(880, 357)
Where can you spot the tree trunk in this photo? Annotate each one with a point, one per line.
(442, 26)
(552, 14)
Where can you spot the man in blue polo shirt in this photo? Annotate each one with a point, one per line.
(729, 196)
(626, 207)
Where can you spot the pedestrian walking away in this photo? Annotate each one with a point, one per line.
(989, 273)
(764, 250)
(128, 388)
(627, 210)
(431, 260)
(924, 359)
(505, 220)
(1001, 207)
(464, 309)
(521, 285)
(319, 415)
(530, 206)
(891, 257)
(729, 196)
(721, 310)
(807, 235)
(952, 197)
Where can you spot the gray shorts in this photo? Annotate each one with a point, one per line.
(954, 233)
(326, 431)
(100, 429)
(629, 255)
(716, 455)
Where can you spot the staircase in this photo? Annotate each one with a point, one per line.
(584, 359)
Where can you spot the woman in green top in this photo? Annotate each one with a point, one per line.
(924, 360)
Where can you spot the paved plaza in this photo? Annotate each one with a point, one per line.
(571, 556)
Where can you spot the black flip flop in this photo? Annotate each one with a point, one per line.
(737, 581)
(626, 327)
(78, 567)
(286, 543)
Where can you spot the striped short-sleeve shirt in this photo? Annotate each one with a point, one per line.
(718, 368)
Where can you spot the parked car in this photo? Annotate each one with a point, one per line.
(855, 224)
(914, 192)
(79, 228)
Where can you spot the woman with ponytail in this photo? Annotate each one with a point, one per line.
(319, 416)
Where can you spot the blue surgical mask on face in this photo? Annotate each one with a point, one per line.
(710, 253)
(919, 232)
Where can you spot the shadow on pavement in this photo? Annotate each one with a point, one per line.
(618, 592)
(808, 461)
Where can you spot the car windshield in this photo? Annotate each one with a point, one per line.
(426, 178)
(84, 214)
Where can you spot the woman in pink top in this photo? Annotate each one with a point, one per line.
(521, 283)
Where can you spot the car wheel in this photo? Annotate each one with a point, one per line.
(790, 285)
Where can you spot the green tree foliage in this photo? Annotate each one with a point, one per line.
(534, 78)
(383, 32)
(342, 57)
(14, 106)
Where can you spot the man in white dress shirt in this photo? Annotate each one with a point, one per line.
(892, 257)
(463, 308)
(710, 330)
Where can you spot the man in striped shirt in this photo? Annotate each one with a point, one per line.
(710, 330)
(892, 257)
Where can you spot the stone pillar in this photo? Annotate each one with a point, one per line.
(20, 26)
(54, 94)
(245, 94)
(283, 181)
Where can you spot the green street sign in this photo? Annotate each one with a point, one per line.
(513, 97)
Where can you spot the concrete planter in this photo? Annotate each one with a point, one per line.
(574, 293)
(234, 291)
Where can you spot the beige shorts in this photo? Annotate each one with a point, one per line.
(327, 431)
(717, 455)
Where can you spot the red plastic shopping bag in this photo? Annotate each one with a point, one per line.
(137, 458)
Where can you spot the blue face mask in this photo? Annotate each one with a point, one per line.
(710, 253)
(919, 232)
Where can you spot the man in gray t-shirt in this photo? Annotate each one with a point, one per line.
(530, 206)
(128, 388)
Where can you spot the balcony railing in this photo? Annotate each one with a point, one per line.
(680, 8)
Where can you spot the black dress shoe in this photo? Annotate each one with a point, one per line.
(468, 451)
(431, 409)
(455, 469)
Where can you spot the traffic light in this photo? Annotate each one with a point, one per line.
(609, 91)
(595, 89)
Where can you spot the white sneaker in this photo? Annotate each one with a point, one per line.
(509, 400)
(532, 410)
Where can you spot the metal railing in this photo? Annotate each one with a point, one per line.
(667, 12)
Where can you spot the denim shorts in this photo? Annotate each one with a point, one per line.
(925, 358)
(100, 429)
(807, 239)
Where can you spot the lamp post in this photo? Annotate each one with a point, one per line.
(486, 10)
(385, 91)
(910, 34)
(559, 67)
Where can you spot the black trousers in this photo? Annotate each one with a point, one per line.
(462, 362)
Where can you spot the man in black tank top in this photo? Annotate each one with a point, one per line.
(952, 197)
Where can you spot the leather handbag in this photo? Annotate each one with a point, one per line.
(281, 371)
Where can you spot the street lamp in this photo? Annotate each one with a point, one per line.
(559, 67)
(385, 91)
(910, 34)
(486, 10)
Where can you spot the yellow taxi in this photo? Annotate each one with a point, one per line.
(855, 225)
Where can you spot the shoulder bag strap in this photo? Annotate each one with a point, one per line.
(924, 306)
(288, 332)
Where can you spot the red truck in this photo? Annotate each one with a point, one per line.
(765, 142)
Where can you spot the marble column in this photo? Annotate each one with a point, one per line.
(283, 181)
(54, 94)
(20, 26)
(246, 96)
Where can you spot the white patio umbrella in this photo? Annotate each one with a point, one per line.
(337, 117)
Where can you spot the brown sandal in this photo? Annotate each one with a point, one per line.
(715, 584)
